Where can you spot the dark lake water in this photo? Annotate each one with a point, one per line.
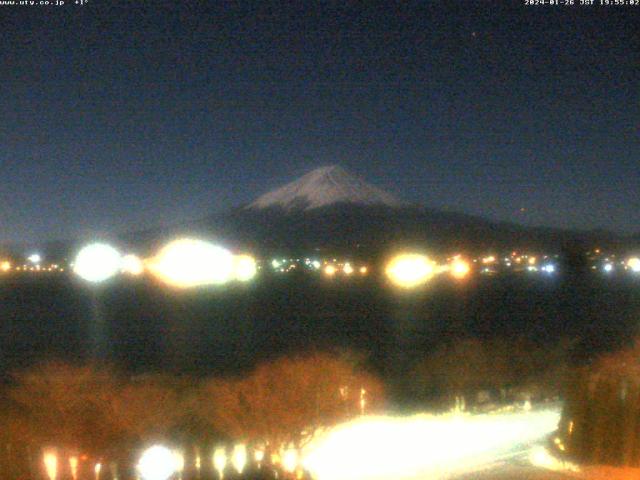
(141, 326)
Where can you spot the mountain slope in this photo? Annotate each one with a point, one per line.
(322, 187)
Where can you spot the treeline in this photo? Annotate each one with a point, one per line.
(484, 373)
(601, 420)
(96, 413)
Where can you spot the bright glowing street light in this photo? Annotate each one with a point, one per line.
(459, 268)
(51, 464)
(73, 466)
(179, 459)
(258, 454)
(35, 258)
(330, 270)
(97, 262)
(290, 460)
(132, 265)
(634, 264)
(244, 267)
(410, 270)
(239, 458)
(157, 463)
(219, 460)
(347, 269)
(186, 263)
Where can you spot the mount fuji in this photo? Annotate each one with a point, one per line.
(330, 209)
(322, 187)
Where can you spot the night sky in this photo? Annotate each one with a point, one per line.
(122, 115)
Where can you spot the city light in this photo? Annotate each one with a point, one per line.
(347, 269)
(132, 265)
(363, 270)
(459, 268)
(219, 460)
(73, 466)
(51, 464)
(608, 267)
(410, 270)
(330, 270)
(290, 460)
(189, 263)
(97, 262)
(5, 266)
(179, 460)
(245, 268)
(549, 268)
(239, 457)
(258, 454)
(423, 446)
(157, 463)
(97, 469)
(634, 264)
(35, 258)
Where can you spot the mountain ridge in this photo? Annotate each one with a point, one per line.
(323, 186)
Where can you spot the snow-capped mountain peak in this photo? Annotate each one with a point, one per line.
(325, 186)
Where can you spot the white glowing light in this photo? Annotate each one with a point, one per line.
(157, 463)
(5, 266)
(275, 263)
(97, 469)
(258, 455)
(97, 262)
(244, 267)
(410, 270)
(219, 460)
(179, 460)
(73, 466)
(316, 264)
(608, 267)
(290, 460)
(423, 446)
(51, 464)
(188, 263)
(540, 457)
(634, 264)
(347, 269)
(239, 457)
(131, 264)
(549, 268)
(35, 258)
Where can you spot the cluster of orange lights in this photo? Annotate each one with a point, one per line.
(6, 267)
(331, 269)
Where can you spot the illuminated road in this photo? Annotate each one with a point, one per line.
(449, 446)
